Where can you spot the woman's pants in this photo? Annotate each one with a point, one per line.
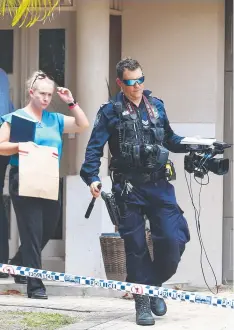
(37, 220)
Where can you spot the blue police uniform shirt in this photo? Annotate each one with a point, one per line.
(48, 132)
(105, 130)
(6, 105)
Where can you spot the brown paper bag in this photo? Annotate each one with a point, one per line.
(38, 171)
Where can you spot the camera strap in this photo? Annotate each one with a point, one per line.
(153, 114)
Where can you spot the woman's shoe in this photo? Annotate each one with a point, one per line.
(20, 279)
(38, 294)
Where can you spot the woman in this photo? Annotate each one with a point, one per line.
(38, 218)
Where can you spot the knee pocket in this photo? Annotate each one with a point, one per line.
(130, 216)
(135, 245)
(170, 270)
(132, 231)
(183, 229)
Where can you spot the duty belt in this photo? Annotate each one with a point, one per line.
(139, 178)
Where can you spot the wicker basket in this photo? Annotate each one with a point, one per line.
(113, 253)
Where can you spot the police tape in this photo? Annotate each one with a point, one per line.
(147, 290)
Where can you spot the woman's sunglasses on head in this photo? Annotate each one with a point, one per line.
(41, 75)
(132, 82)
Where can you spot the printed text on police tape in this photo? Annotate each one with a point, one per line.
(119, 286)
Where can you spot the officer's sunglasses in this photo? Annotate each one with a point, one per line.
(132, 82)
(41, 75)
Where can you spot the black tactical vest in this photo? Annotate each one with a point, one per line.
(140, 142)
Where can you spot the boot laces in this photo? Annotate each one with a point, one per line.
(143, 303)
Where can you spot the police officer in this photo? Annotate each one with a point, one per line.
(4, 247)
(6, 107)
(140, 138)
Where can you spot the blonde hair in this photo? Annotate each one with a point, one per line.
(37, 76)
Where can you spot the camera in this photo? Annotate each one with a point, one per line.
(201, 159)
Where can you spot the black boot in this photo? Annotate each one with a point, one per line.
(38, 294)
(143, 312)
(158, 306)
(4, 275)
(20, 279)
(16, 261)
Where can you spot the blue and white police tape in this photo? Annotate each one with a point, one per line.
(141, 289)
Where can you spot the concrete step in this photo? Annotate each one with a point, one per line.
(68, 289)
(60, 289)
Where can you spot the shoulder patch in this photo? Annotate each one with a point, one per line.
(159, 100)
(102, 106)
(156, 114)
(98, 117)
(99, 114)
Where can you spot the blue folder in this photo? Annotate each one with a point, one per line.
(22, 129)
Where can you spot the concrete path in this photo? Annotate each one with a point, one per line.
(99, 313)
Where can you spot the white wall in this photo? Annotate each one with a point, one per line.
(83, 252)
(181, 47)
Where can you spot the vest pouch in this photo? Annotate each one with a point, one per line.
(136, 155)
(129, 131)
(162, 155)
(157, 134)
(126, 152)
